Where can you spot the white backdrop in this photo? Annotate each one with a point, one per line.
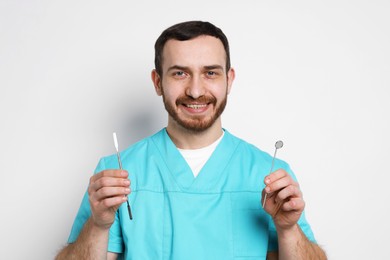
(314, 74)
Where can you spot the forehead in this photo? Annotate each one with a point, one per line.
(198, 52)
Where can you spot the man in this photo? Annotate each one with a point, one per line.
(196, 188)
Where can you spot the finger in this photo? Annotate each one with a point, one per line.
(107, 192)
(269, 203)
(288, 192)
(274, 176)
(108, 178)
(108, 182)
(109, 173)
(264, 197)
(295, 204)
(113, 201)
(278, 184)
(278, 180)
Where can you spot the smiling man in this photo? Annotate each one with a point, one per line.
(196, 189)
(194, 82)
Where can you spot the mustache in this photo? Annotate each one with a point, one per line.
(202, 99)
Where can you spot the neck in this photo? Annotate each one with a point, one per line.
(187, 139)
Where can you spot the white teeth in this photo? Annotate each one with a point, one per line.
(196, 106)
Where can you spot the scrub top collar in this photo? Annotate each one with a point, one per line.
(211, 173)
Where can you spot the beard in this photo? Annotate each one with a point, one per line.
(195, 123)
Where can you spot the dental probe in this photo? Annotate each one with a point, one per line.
(278, 145)
(120, 167)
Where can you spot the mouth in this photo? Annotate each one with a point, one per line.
(195, 106)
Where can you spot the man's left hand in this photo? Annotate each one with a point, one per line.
(284, 199)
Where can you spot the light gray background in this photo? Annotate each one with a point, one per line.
(314, 74)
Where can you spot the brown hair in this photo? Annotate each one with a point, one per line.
(187, 31)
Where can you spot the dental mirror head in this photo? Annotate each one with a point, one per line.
(279, 144)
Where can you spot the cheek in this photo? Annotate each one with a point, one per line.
(220, 93)
(172, 90)
(169, 95)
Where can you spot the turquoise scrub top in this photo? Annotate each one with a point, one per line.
(217, 215)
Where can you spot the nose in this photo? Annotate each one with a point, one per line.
(195, 88)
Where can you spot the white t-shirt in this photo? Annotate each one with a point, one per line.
(197, 158)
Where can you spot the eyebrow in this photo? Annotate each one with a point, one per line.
(214, 67)
(209, 67)
(177, 67)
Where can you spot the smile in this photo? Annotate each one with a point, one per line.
(197, 106)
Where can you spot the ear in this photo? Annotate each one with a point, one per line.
(156, 82)
(230, 78)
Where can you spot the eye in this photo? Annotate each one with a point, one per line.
(179, 74)
(211, 74)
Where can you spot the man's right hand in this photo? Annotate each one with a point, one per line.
(107, 191)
